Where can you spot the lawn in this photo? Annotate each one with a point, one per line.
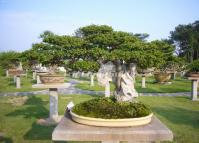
(8, 85)
(18, 122)
(178, 85)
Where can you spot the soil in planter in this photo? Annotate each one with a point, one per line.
(109, 108)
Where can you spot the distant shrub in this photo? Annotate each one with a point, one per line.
(194, 66)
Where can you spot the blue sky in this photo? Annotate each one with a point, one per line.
(21, 21)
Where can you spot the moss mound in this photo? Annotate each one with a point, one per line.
(108, 108)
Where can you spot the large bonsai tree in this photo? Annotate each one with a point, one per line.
(122, 48)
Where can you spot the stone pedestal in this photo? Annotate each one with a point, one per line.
(173, 75)
(14, 78)
(107, 89)
(34, 75)
(143, 81)
(7, 73)
(68, 130)
(38, 79)
(18, 82)
(54, 117)
(194, 89)
(53, 103)
(92, 80)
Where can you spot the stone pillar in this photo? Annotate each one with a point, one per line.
(34, 75)
(7, 73)
(92, 80)
(14, 78)
(18, 82)
(107, 89)
(53, 104)
(173, 75)
(194, 90)
(143, 81)
(38, 79)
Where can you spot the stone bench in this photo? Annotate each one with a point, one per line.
(68, 130)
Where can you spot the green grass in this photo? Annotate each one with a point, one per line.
(8, 85)
(180, 114)
(86, 86)
(178, 85)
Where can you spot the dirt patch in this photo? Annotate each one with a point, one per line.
(17, 101)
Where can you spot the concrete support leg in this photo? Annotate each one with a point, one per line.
(194, 90)
(14, 78)
(143, 82)
(107, 89)
(173, 76)
(18, 82)
(34, 75)
(53, 104)
(38, 79)
(92, 80)
(7, 73)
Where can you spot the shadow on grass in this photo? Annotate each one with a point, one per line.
(35, 109)
(178, 115)
(38, 132)
(6, 140)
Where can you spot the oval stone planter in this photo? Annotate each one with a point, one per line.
(193, 74)
(111, 122)
(15, 72)
(51, 79)
(162, 77)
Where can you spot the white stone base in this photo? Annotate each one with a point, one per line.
(49, 121)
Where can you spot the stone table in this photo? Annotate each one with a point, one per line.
(194, 90)
(68, 130)
(53, 93)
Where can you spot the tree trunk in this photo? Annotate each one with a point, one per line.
(118, 76)
(92, 79)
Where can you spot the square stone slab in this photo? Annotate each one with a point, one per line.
(68, 130)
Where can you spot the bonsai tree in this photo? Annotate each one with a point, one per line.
(193, 69)
(121, 48)
(10, 59)
(86, 66)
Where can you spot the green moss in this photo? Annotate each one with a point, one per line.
(109, 108)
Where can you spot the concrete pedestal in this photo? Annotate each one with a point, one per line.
(194, 89)
(7, 73)
(34, 75)
(143, 81)
(68, 130)
(92, 80)
(107, 89)
(18, 82)
(38, 79)
(54, 117)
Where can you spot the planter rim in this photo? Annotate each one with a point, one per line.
(52, 75)
(110, 120)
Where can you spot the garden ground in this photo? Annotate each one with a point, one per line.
(18, 121)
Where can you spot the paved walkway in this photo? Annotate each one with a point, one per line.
(72, 90)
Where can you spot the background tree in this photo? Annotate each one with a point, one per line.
(186, 39)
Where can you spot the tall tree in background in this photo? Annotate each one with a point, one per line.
(186, 39)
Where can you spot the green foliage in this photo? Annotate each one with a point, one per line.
(194, 66)
(186, 39)
(109, 108)
(9, 59)
(85, 66)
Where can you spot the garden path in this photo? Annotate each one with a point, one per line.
(73, 90)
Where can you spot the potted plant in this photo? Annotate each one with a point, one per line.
(50, 56)
(193, 69)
